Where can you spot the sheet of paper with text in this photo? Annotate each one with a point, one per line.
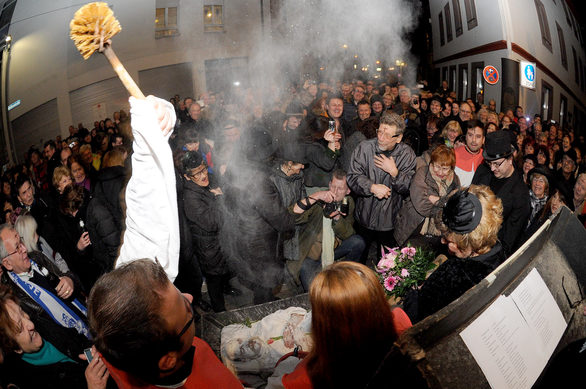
(513, 339)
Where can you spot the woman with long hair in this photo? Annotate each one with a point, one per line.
(353, 331)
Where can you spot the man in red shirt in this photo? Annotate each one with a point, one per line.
(469, 155)
(143, 327)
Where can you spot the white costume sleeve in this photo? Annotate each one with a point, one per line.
(152, 222)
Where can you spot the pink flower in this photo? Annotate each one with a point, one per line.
(390, 283)
(404, 273)
(386, 263)
(409, 251)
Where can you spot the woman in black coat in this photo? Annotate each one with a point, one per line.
(472, 218)
(105, 221)
(202, 205)
(74, 242)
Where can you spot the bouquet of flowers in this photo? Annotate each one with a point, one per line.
(401, 270)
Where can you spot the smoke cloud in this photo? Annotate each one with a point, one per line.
(323, 38)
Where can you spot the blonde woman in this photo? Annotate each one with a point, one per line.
(26, 226)
(451, 131)
(471, 220)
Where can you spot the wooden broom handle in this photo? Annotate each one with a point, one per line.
(128, 82)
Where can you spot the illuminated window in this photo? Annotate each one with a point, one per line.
(546, 100)
(213, 18)
(165, 20)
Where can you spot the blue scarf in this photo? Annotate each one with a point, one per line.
(57, 309)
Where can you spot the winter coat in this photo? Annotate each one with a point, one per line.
(449, 281)
(290, 188)
(30, 306)
(70, 229)
(321, 162)
(255, 224)
(311, 227)
(203, 215)
(417, 206)
(371, 212)
(105, 218)
(516, 205)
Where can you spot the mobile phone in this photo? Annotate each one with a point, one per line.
(88, 354)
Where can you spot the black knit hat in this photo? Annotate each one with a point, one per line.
(462, 212)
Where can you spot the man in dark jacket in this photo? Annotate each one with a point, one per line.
(380, 174)
(39, 284)
(507, 183)
(256, 219)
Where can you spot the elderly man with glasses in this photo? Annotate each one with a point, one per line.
(506, 181)
(380, 174)
(38, 283)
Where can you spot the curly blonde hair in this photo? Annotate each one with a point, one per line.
(485, 235)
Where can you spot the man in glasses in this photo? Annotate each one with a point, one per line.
(506, 181)
(380, 174)
(38, 283)
(144, 329)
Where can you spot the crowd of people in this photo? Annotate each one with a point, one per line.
(271, 194)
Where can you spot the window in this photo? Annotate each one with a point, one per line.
(457, 17)
(470, 8)
(563, 55)
(477, 84)
(580, 70)
(546, 101)
(563, 109)
(441, 27)
(444, 74)
(567, 13)
(213, 18)
(463, 85)
(542, 16)
(166, 19)
(452, 81)
(448, 22)
(576, 70)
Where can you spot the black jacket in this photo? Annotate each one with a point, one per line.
(105, 219)
(254, 225)
(203, 214)
(70, 230)
(516, 205)
(28, 304)
(449, 281)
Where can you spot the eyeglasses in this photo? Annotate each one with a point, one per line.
(495, 165)
(184, 330)
(386, 134)
(201, 173)
(18, 246)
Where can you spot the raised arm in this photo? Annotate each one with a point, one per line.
(152, 221)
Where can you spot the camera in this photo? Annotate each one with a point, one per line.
(341, 206)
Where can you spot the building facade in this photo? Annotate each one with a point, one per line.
(168, 46)
(469, 35)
